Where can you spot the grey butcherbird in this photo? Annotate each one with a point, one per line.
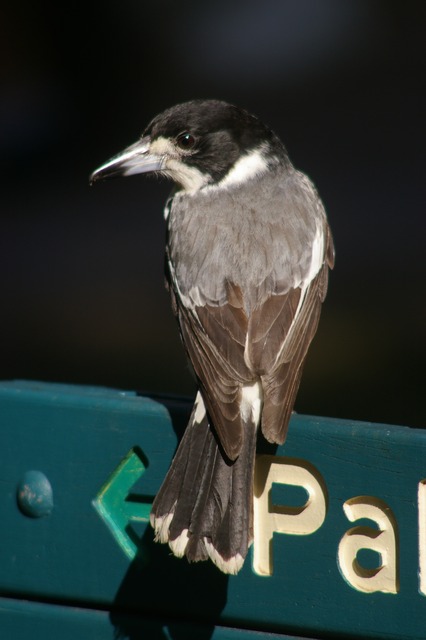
(247, 259)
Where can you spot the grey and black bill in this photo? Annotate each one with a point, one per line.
(247, 259)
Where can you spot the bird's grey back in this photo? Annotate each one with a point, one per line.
(257, 235)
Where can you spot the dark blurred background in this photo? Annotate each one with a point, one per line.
(82, 297)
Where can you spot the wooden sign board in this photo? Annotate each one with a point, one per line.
(340, 527)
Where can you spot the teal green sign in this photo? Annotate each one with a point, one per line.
(339, 525)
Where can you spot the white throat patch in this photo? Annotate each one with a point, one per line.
(190, 178)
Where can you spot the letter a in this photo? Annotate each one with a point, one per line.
(383, 541)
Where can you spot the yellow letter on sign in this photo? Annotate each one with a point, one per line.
(269, 517)
(382, 540)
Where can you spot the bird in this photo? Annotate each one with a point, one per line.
(247, 259)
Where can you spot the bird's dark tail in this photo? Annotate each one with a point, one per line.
(204, 508)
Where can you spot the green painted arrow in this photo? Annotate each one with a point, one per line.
(117, 509)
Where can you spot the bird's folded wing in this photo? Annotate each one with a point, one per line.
(214, 338)
(283, 367)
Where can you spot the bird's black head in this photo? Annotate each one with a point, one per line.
(199, 143)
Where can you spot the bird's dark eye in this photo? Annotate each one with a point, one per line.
(185, 140)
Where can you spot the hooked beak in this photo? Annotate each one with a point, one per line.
(135, 159)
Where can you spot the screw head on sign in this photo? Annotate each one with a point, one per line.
(35, 496)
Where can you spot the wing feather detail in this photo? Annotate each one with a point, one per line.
(268, 328)
(281, 382)
(214, 339)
